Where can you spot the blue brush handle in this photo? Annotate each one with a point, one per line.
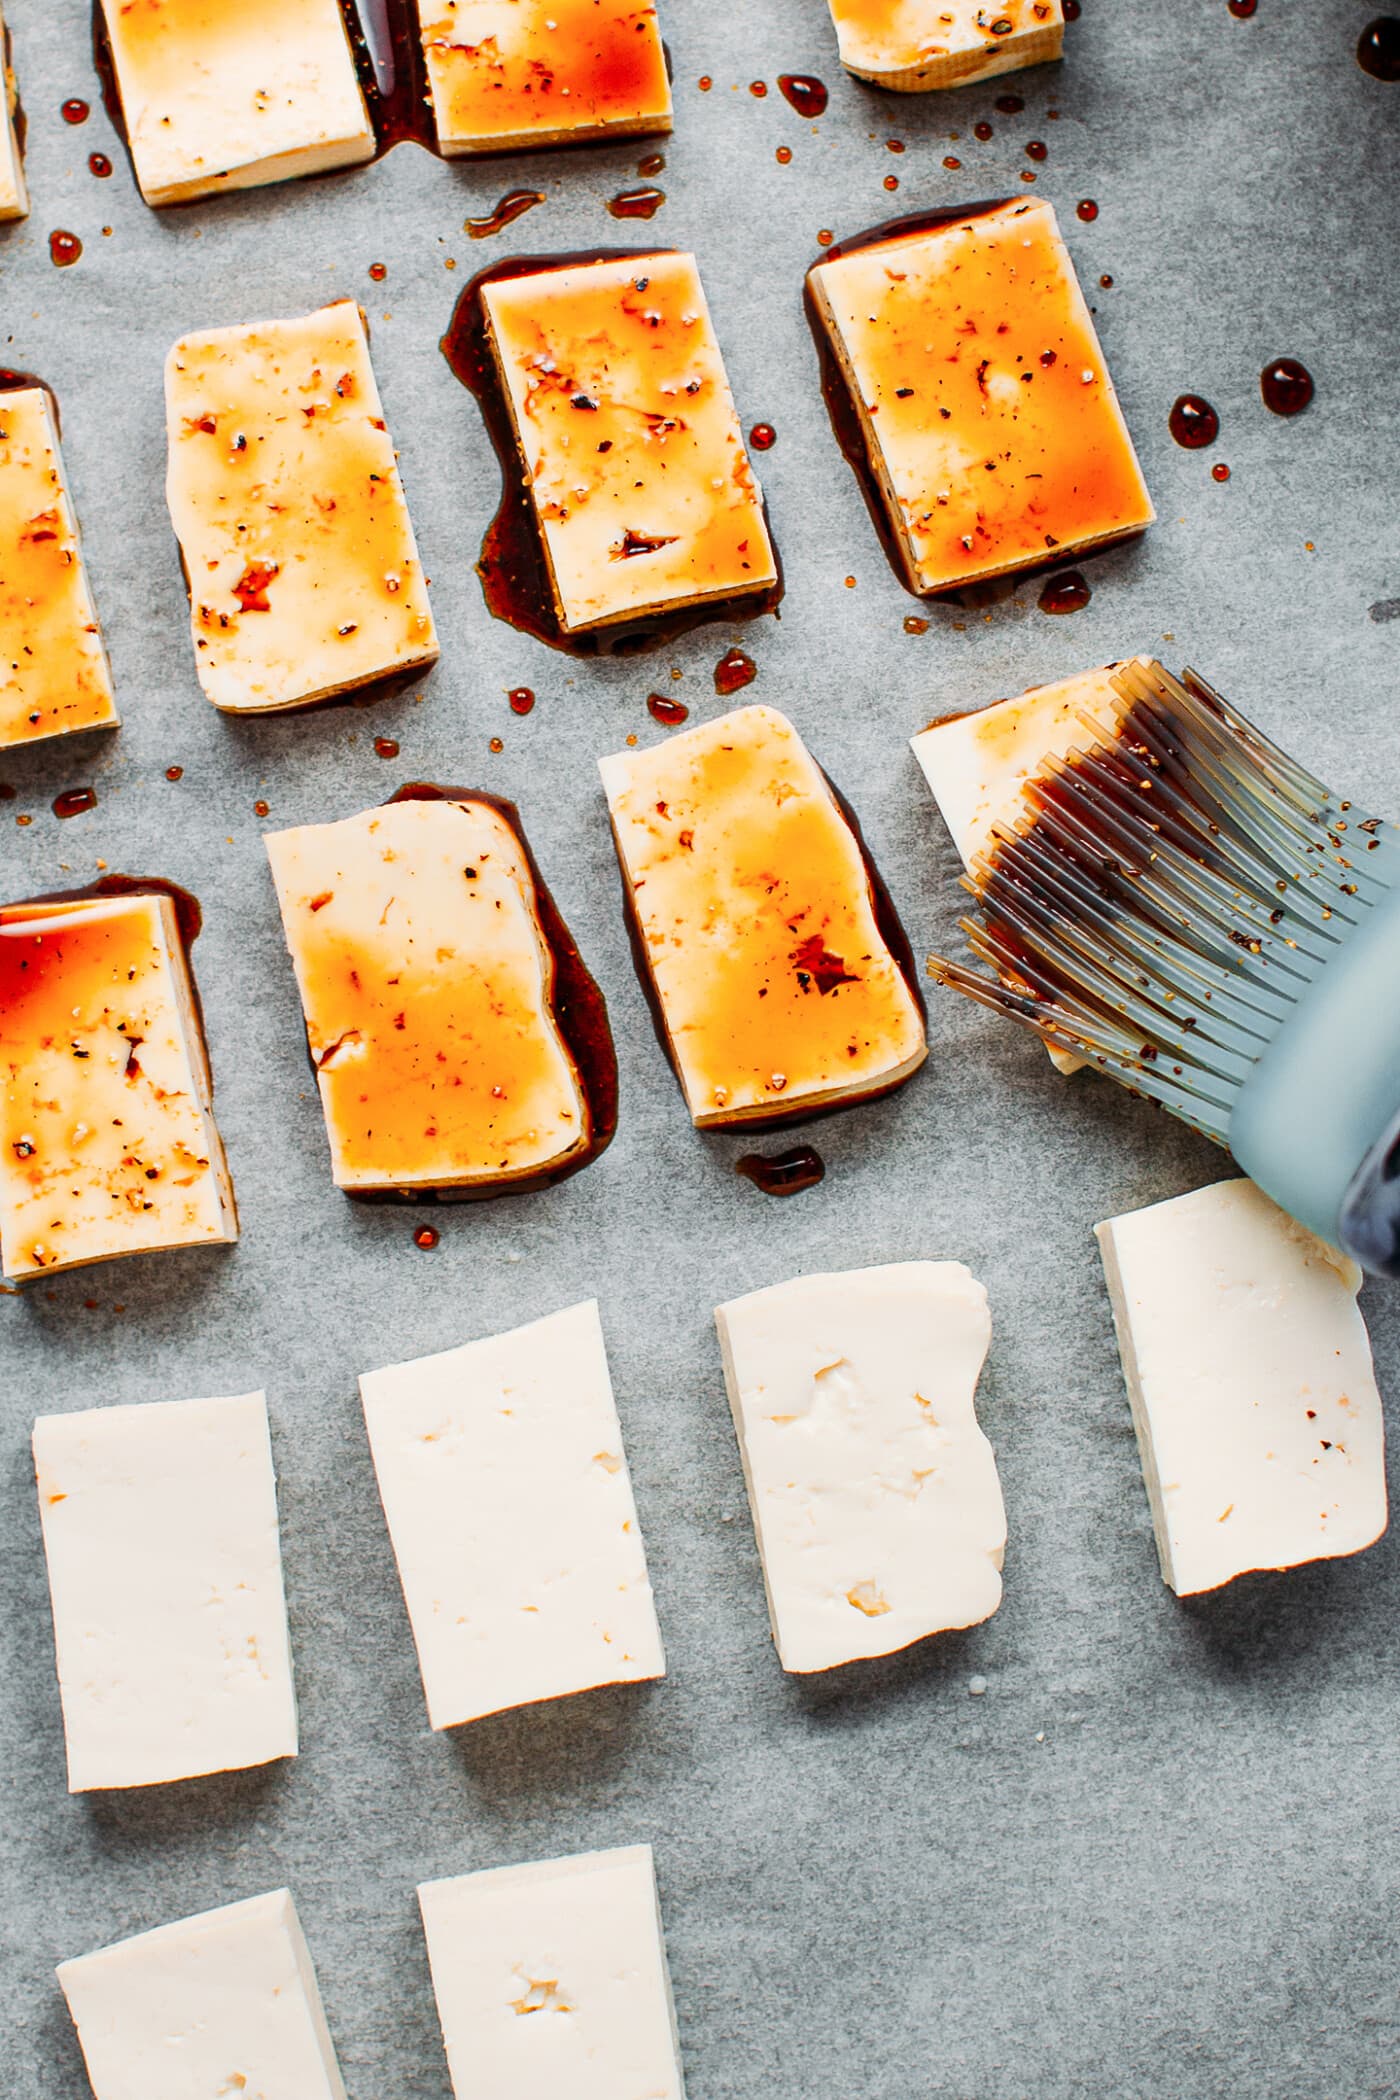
(1317, 1122)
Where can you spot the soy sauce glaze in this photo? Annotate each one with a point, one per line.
(1378, 49)
(785, 1173)
(1193, 422)
(75, 802)
(512, 206)
(670, 713)
(511, 565)
(805, 92)
(1065, 594)
(1287, 386)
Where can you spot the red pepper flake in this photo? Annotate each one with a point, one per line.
(251, 587)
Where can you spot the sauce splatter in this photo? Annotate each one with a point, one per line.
(805, 92)
(950, 160)
(1087, 210)
(260, 809)
(74, 801)
(763, 437)
(1193, 422)
(1287, 386)
(1010, 105)
(521, 698)
(825, 237)
(379, 271)
(1378, 50)
(1065, 594)
(99, 165)
(734, 671)
(1242, 9)
(643, 203)
(385, 747)
(1036, 149)
(1220, 472)
(64, 249)
(512, 206)
(783, 155)
(668, 712)
(982, 131)
(651, 164)
(75, 110)
(426, 1237)
(914, 624)
(174, 772)
(785, 1173)
(891, 182)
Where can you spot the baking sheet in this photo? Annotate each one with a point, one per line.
(1158, 1855)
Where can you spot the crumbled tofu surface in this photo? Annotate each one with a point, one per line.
(551, 1980)
(165, 1571)
(633, 455)
(54, 676)
(223, 2006)
(505, 1486)
(918, 44)
(285, 496)
(875, 1495)
(992, 425)
(107, 1137)
(758, 922)
(426, 983)
(1249, 1374)
(542, 72)
(228, 98)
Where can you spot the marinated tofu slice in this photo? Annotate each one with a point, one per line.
(875, 1495)
(511, 73)
(217, 97)
(760, 924)
(911, 45)
(14, 196)
(991, 430)
(107, 1137)
(54, 676)
(633, 456)
(284, 491)
(1249, 1375)
(428, 983)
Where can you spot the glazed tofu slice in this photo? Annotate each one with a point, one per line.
(758, 919)
(632, 451)
(165, 1571)
(218, 97)
(284, 491)
(107, 1137)
(504, 1483)
(510, 73)
(221, 2004)
(916, 44)
(875, 1495)
(427, 984)
(54, 677)
(576, 1944)
(1249, 1375)
(14, 196)
(992, 430)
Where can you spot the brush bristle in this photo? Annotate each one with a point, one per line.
(1166, 894)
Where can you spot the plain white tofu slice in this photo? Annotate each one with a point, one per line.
(629, 439)
(229, 97)
(911, 45)
(223, 2006)
(517, 73)
(875, 1495)
(284, 492)
(54, 676)
(165, 1572)
(551, 1980)
(505, 1487)
(107, 1138)
(14, 196)
(1249, 1375)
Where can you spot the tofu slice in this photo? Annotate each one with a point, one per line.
(1249, 1375)
(165, 1572)
(875, 1495)
(753, 900)
(428, 987)
(504, 1484)
(220, 98)
(107, 1136)
(54, 677)
(992, 428)
(577, 1945)
(915, 44)
(505, 74)
(284, 491)
(633, 456)
(14, 196)
(977, 764)
(223, 2003)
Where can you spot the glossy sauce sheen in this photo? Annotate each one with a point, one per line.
(784, 1173)
(805, 92)
(968, 389)
(512, 206)
(460, 1045)
(1378, 48)
(914, 44)
(1193, 422)
(623, 436)
(1286, 386)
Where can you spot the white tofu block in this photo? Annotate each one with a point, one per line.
(285, 496)
(551, 1980)
(54, 676)
(107, 1138)
(875, 1495)
(165, 1571)
(911, 45)
(759, 923)
(228, 97)
(504, 1483)
(629, 439)
(223, 2006)
(1249, 1375)
(506, 74)
(14, 196)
